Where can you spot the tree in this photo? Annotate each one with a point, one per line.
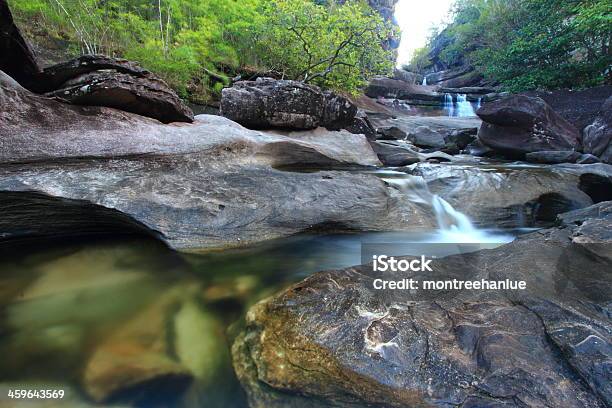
(336, 46)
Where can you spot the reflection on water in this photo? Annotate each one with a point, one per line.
(129, 322)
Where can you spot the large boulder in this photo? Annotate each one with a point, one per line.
(333, 340)
(148, 96)
(16, 56)
(580, 108)
(97, 80)
(519, 124)
(212, 183)
(597, 137)
(268, 103)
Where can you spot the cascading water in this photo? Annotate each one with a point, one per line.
(459, 108)
(478, 103)
(449, 105)
(453, 225)
(464, 107)
(424, 81)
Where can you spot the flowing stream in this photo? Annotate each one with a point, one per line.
(81, 314)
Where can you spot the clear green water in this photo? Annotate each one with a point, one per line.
(90, 317)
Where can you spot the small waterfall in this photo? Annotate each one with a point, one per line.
(464, 107)
(453, 225)
(424, 81)
(449, 105)
(479, 103)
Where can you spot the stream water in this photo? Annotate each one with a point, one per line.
(86, 315)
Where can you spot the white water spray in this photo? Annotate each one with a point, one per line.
(453, 225)
(459, 108)
(424, 81)
(464, 107)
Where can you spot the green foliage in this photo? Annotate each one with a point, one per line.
(531, 44)
(420, 61)
(335, 46)
(196, 44)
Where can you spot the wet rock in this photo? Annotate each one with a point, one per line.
(146, 96)
(518, 124)
(588, 159)
(17, 59)
(331, 340)
(391, 133)
(553, 157)
(506, 197)
(394, 154)
(212, 183)
(268, 103)
(476, 148)
(135, 361)
(423, 136)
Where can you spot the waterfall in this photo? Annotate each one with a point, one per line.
(449, 106)
(453, 225)
(424, 81)
(464, 107)
(479, 103)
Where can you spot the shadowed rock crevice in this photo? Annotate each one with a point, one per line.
(30, 214)
(598, 187)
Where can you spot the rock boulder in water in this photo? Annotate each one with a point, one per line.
(553, 157)
(331, 340)
(518, 124)
(268, 103)
(16, 57)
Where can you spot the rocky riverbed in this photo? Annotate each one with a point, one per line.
(150, 257)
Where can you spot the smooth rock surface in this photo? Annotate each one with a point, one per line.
(518, 124)
(207, 184)
(331, 340)
(503, 196)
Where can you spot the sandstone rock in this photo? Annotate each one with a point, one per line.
(395, 89)
(331, 340)
(517, 125)
(407, 76)
(16, 56)
(362, 125)
(53, 77)
(338, 112)
(553, 157)
(580, 108)
(146, 96)
(423, 136)
(395, 155)
(391, 133)
(212, 183)
(507, 197)
(268, 103)
(597, 137)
